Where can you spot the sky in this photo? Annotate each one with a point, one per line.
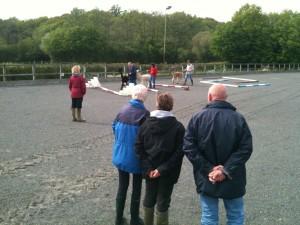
(220, 10)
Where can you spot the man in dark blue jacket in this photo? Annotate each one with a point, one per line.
(218, 143)
(131, 73)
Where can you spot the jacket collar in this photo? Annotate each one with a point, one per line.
(220, 104)
(136, 103)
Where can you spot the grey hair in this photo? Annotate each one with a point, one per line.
(140, 92)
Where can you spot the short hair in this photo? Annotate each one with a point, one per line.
(139, 92)
(165, 101)
(76, 69)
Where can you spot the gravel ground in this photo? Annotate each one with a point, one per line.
(54, 171)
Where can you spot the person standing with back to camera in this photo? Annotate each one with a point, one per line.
(218, 143)
(125, 128)
(131, 73)
(78, 89)
(158, 146)
(153, 74)
(189, 72)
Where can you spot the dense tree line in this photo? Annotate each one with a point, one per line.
(121, 36)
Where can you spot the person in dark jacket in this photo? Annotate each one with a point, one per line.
(131, 73)
(125, 128)
(159, 148)
(78, 89)
(218, 143)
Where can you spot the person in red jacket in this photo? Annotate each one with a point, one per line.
(153, 73)
(78, 89)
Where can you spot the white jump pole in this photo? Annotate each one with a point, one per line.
(253, 85)
(235, 78)
(175, 86)
(110, 91)
(229, 85)
(154, 90)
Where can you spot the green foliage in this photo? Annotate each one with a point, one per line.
(76, 44)
(246, 38)
(122, 36)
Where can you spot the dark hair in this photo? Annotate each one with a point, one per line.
(164, 101)
(152, 64)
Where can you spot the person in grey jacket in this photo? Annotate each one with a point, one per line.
(218, 143)
(158, 146)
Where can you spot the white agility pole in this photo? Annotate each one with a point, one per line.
(235, 78)
(110, 91)
(237, 86)
(229, 85)
(154, 90)
(253, 85)
(94, 83)
(219, 80)
(175, 86)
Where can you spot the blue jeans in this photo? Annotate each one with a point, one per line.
(132, 80)
(152, 81)
(210, 210)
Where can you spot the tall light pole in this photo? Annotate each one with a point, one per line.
(165, 34)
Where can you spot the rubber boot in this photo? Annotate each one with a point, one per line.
(185, 81)
(73, 114)
(162, 218)
(79, 119)
(120, 205)
(192, 82)
(135, 213)
(148, 216)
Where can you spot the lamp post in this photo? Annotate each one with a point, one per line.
(165, 34)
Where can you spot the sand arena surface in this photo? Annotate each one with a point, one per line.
(55, 171)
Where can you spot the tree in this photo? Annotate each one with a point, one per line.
(246, 38)
(76, 44)
(285, 36)
(115, 10)
(202, 46)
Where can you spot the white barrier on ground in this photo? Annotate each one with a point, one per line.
(94, 83)
(242, 79)
(211, 82)
(175, 86)
(236, 85)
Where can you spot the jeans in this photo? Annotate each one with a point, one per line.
(132, 80)
(210, 210)
(158, 194)
(152, 81)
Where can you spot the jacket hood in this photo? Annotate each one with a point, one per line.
(220, 104)
(160, 122)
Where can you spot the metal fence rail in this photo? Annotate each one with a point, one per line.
(63, 71)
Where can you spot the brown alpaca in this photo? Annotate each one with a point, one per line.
(176, 75)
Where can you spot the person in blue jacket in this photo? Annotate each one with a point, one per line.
(125, 128)
(218, 143)
(131, 73)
